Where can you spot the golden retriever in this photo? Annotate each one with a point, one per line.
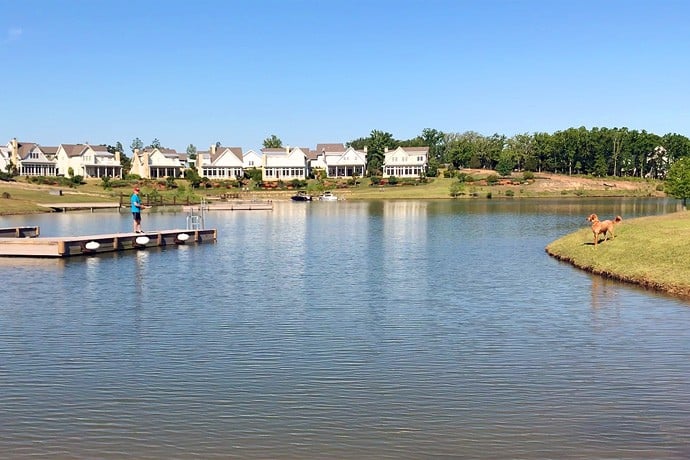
(605, 227)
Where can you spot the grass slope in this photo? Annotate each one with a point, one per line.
(650, 251)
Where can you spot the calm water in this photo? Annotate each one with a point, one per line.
(342, 330)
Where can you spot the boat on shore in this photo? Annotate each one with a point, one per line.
(328, 196)
(301, 196)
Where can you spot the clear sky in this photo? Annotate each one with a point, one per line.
(330, 71)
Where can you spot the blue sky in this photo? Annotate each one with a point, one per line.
(320, 71)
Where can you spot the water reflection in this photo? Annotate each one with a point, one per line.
(343, 330)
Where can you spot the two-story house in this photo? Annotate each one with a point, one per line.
(156, 163)
(284, 164)
(405, 162)
(339, 161)
(88, 161)
(221, 163)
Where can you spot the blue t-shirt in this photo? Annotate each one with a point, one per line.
(135, 203)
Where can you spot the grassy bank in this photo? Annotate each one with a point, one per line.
(650, 251)
(23, 197)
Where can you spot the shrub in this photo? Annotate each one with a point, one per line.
(392, 180)
(464, 177)
(375, 180)
(457, 189)
(492, 179)
(510, 193)
(528, 175)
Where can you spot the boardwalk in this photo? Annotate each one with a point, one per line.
(79, 206)
(94, 244)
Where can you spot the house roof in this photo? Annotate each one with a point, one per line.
(49, 150)
(237, 151)
(23, 148)
(73, 150)
(415, 149)
(330, 148)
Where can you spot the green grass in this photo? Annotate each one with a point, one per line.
(650, 251)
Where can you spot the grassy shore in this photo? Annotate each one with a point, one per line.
(652, 252)
(21, 197)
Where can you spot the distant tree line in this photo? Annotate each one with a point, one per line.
(597, 151)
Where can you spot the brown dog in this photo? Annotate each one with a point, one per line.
(605, 227)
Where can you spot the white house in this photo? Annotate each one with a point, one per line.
(38, 161)
(5, 154)
(251, 160)
(30, 159)
(155, 163)
(340, 162)
(221, 163)
(284, 164)
(405, 161)
(88, 161)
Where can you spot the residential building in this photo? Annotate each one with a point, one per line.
(405, 162)
(30, 159)
(88, 161)
(251, 160)
(221, 163)
(5, 154)
(156, 163)
(284, 164)
(339, 161)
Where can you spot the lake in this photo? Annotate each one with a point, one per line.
(386, 329)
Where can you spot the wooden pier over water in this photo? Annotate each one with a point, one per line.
(79, 206)
(22, 244)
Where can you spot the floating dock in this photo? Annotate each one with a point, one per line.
(79, 206)
(20, 232)
(26, 246)
(232, 206)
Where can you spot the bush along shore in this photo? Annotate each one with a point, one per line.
(652, 252)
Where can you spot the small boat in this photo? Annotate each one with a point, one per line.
(301, 196)
(328, 196)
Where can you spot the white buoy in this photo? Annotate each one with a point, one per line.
(183, 237)
(142, 240)
(92, 245)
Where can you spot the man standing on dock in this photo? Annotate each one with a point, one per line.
(135, 204)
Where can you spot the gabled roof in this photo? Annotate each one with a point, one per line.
(320, 148)
(220, 151)
(73, 150)
(48, 150)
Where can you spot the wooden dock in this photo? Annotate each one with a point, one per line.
(20, 232)
(232, 206)
(95, 244)
(63, 207)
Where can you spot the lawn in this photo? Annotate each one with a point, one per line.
(650, 251)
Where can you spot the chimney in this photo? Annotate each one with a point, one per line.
(287, 149)
(146, 168)
(198, 161)
(15, 152)
(385, 150)
(117, 157)
(365, 149)
(213, 149)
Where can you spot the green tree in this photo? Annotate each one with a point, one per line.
(435, 140)
(155, 143)
(137, 144)
(191, 151)
(678, 179)
(505, 164)
(272, 142)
